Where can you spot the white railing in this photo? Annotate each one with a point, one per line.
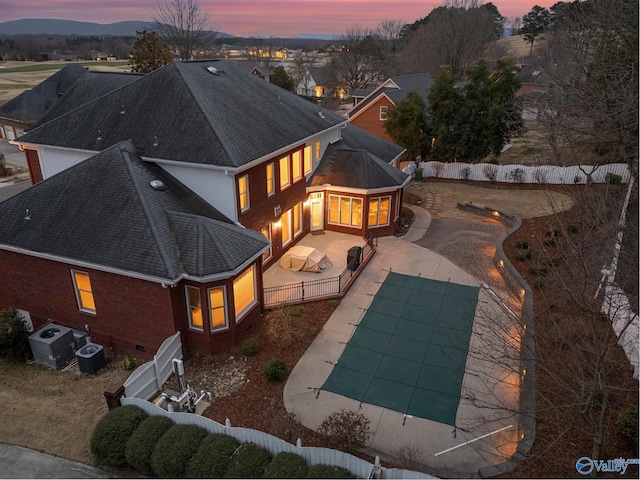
(542, 174)
(149, 377)
(313, 455)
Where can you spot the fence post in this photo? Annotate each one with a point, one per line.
(302, 286)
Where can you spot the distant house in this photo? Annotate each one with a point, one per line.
(316, 83)
(21, 112)
(372, 106)
(148, 223)
(249, 66)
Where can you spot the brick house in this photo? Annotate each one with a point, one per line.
(250, 165)
(372, 106)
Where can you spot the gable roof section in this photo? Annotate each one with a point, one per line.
(356, 138)
(104, 213)
(86, 89)
(396, 88)
(346, 167)
(30, 105)
(203, 112)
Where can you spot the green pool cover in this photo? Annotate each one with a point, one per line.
(409, 351)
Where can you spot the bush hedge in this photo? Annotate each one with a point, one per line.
(213, 456)
(328, 471)
(286, 465)
(275, 369)
(175, 449)
(250, 347)
(14, 335)
(109, 438)
(249, 461)
(143, 441)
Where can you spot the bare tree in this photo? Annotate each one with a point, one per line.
(184, 27)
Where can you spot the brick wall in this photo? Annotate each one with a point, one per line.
(369, 118)
(33, 164)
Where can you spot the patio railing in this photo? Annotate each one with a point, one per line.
(332, 287)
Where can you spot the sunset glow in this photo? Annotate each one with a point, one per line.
(252, 17)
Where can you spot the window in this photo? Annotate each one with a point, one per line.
(318, 145)
(297, 219)
(244, 292)
(271, 184)
(285, 180)
(194, 307)
(379, 211)
(84, 293)
(308, 162)
(285, 226)
(217, 309)
(266, 231)
(345, 211)
(297, 165)
(383, 112)
(243, 192)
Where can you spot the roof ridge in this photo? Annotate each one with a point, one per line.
(201, 108)
(144, 204)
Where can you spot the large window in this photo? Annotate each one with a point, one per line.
(345, 211)
(308, 161)
(243, 192)
(217, 309)
(84, 293)
(297, 165)
(271, 183)
(266, 231)
(379, 211)
(285, 227)
(194, 307)
(285, 177)
(244, 292)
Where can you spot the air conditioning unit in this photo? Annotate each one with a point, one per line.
(90, 358)
(53, 345)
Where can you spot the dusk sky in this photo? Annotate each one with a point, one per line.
(254, 17)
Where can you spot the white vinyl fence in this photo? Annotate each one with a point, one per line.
(542, 174)
(313, 455)
(147, 379)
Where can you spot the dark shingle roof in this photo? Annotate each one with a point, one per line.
(345, 167)
(29, 106)
(86, 89)
(420, 83)
(104, 212)
(185, 113)
(356, 138)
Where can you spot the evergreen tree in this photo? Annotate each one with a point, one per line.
(149, 53)
(407, 125)
(281, 79)
(534, 23)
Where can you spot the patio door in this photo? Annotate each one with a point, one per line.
(317, 211)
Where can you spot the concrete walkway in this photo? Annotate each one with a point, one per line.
(488, 393)
(19, 462)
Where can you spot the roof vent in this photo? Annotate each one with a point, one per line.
(27, 214)
(155, 141)
(123, 111)
(157, 185)
(213, 70)
(99, 137)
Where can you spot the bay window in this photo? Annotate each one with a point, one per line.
(244, 292)
(379, 211)
(345, 211)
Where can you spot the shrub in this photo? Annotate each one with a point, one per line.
(437, 169)
(539, 176)
(627, 425)
(539, 270)
(313, 331)
(517, 175)
(573, 228)
(613, 179)
(465, 172)
(540, 284)
(553, 232)
(333, 303)
(14, 335)
(522, 244)
(491, 172)
(346, 429)
(524, 254)
(327, 471)
(213, 456)
(549, 242)
(128, 363)
(250, 347)
(174, 450)
(551, 261)
(275, 369)
(249, 461)
(109, 438)
(142, 442)
(286, 465)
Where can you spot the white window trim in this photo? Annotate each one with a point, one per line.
(288, 184)
(340, 197)
(246, 194)
(300, 166)
(81, 307)
(384, 112)
(189, 314)
(270, 237)
(307, 158)
(289, 215)
(246, 310)
(224, 308)
(271, 184)
(298, 207)
(378, 199)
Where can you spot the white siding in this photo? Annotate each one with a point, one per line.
(212, 185)
(53, 160)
